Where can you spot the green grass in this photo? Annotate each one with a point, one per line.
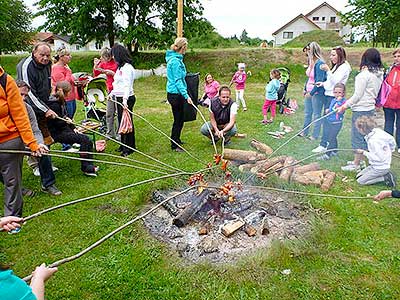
(325, 38)
(351, 252)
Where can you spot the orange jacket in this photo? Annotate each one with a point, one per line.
(14, 119)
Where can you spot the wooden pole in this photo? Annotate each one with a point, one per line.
(179, 31)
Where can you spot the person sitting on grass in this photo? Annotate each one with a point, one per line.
(65, 132)
(334, 122)
(13, 287)
(271, 96)
(223, 113)
(380, 147)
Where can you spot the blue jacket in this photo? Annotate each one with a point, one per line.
(176, 73)
(271, 90)
(335, 118)
(319, 76)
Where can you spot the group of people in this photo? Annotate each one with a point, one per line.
(324, 94)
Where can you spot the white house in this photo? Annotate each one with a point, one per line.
(56, 41)
(323, 17)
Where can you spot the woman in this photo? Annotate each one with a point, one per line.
(107, 65)
(211, 88)
(391, 107)
(124, 93)
(15, 131)
(338, 74)
(177, 92)
(314, 98)
(362, 103)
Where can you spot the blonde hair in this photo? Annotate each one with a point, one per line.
(365, 124)
(179, 44)
(315, 50)
(62, 51)
(62, 89)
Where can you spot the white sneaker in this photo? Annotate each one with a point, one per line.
(351, 168)
(319, 149)
(72, 150)
(36, 171)
(76, 145)
(54, 168)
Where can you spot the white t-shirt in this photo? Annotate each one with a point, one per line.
(123, 81)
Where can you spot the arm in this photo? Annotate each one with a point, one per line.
(35, 128)
(320, 76)
(177, 79)
(376, 151)
(10, 223)
(231, 123)
(128, 75)
(213, 123)
(39, 277)
(339, 76)
(359, 88)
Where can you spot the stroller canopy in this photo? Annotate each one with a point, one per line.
(96, 90)
(285, 74)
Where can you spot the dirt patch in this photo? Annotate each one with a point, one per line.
(273, 214)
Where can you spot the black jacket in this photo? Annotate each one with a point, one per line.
(57, 126)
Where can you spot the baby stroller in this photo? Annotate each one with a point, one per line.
(285, 79)
(95, 91)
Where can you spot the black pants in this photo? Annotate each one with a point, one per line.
(129, 138)
(68, 136)
(392, 116)
(176, 101)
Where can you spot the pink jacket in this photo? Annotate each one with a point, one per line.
(240, 79)
(63, 73)
(211, 89)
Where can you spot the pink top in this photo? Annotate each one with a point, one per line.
(211, 89)
(311, 80)
(63, 73)
(107, 65)
(240, 79)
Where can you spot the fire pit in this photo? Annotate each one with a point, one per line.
(218, 229)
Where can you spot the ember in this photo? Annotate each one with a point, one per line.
(220, 225)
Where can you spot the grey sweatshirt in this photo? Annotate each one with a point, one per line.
(366, 90)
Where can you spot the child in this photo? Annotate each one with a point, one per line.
(379, 154)
(64, 132)
(271, 96)
(239, 79)
(334, 122)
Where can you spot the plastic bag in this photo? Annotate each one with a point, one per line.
(126, 123)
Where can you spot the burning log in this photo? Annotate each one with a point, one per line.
(184, 217)
(243, 155)
(288, 166)
(250, 230)
(157, 197)
(328, 180)
(261, 147)
(306, 168)
(231, 228)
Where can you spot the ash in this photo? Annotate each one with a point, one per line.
(272, 216)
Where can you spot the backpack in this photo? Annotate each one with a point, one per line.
(3, 82)
(384, 91)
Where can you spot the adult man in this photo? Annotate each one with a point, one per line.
(223, 113)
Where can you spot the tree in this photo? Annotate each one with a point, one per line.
(15, 31)
(379, 18)
(244, 38)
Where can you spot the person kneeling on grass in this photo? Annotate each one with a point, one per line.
(380, 147)
(223, 113)
(65, 132)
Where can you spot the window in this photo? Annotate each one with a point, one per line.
(77, 47)
(333, 19)
(98, 45)
(315, 18)
(323, 18)
(287, 35)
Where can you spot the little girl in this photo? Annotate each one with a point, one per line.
(64, 132)
(271, 96)
(380, 147)
(334, 122)
(239, 79)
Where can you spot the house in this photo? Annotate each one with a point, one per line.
(323, 17)
(57, 41)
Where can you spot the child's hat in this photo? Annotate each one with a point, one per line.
(241, 66)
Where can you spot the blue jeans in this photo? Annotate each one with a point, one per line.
(46, 171)
(324, 139)
(71, 108)
(227, 135)
(331, 131)
(392, 116)
(308, 110)
(319, 102)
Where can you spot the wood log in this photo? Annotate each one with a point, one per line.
(264, 148)
(265, 227)
(306, 168)
(310, 178)
(231, 228)
(157, 197)
(328, 181)
(241, 135)
(288, 166)
(246, 167)
(270, 163)
(243, 155)
(197, 203)
(250, 230)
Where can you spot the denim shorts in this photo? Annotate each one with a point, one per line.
(357, 139)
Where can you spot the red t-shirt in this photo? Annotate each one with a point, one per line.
(107, 65)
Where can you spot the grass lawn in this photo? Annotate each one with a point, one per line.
(351, 253)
